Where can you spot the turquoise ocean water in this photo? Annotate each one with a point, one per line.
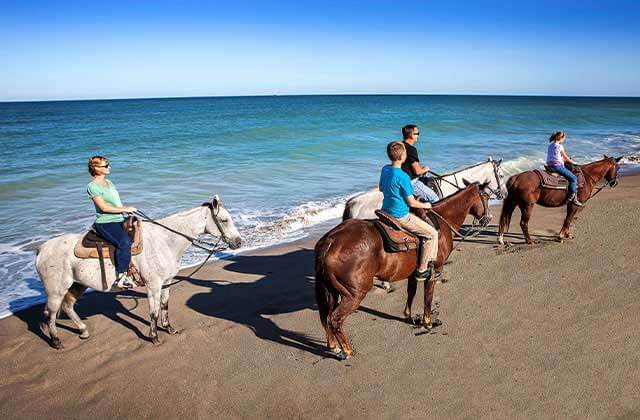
(280, 164)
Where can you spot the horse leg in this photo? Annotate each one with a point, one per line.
(68, 301)
(347, 306)
(412, 286)
(526, 209)
(572, 210)
(164, 312)
(429, 287)
(52, 307)
(153, 294)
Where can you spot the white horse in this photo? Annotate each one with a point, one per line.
(363, 205)
(65, 277)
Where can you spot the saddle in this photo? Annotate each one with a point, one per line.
(394, 238)
(553, 180)
(92, 245)
(432, 183)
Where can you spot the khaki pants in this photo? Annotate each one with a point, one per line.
(426, 232)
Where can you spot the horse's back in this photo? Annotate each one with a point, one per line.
(362, 206)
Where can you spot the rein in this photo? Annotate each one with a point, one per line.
(213, 247)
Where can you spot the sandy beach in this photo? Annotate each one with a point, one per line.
(542, 331)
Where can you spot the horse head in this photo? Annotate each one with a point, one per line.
(480, 207)
(220, 223)
(497, 184)
(611, 176)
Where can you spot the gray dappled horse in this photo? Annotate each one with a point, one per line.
(363, 205)
(65, 277)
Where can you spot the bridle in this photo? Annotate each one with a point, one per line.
(497, 193)
(484, 197)
(613, 183)
(211, 247)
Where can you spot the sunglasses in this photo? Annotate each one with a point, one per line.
(416, 134)
(103, 166)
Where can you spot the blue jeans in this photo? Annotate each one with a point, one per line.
(114, 233)
(573, 180)
(424, 192)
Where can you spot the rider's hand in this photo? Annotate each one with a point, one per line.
(130, 209)
(427, 205)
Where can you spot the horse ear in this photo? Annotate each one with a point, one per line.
(500, 162)
(618, 159)
(605, 156)
(490, 159)
(483, 186)
(215, 201)
(466, 183)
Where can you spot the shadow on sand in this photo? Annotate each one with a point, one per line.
(250, 304)
(87, 306)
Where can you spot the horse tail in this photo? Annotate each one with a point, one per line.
(346, 214)
(326, 295)
(508, 205)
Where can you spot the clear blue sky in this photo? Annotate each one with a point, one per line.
(116, 49)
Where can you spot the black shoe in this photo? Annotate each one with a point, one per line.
(422, 275)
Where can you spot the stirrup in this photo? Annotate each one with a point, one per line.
(125, 282)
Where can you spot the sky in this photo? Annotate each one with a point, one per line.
(167, 48)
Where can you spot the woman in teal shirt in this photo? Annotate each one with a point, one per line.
(109, 218)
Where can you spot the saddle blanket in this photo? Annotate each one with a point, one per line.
(87, 246)
(556, 181)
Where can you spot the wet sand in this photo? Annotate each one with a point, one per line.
(545, 331)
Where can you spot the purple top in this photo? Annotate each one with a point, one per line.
(554, 158)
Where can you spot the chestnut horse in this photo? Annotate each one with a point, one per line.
(349, 256)
(525, 190)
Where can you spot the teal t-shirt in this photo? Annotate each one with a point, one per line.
(396, 186)
(110, 196)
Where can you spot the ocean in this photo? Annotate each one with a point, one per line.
(280, 164)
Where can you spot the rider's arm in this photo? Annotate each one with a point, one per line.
(419, 170)
(108, 208)
(411, 200)
(566, 157)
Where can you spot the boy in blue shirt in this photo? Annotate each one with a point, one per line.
(398, 192)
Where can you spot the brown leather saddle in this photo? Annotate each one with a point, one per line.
(394, 238)
(553, 180)
(92, 245)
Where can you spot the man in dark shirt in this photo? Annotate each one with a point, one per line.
(412, 165)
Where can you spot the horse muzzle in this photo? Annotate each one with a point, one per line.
(613, 183)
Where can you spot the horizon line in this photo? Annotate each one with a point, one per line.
(2, 101)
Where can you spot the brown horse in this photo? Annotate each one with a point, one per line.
(525, 190)
(349, 256)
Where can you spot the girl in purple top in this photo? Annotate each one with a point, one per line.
(556, 158)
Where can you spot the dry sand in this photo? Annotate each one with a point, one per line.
(542, 331)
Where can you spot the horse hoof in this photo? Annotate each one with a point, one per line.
(84, 335)
(57, 344)
(436, 323)
(172, 331)
(339, 354)
(155, 340)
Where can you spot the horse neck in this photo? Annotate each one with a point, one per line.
(596, 170)
(477, 173)
(189, 222)
(455, 209)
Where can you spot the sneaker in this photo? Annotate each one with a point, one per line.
(125, 282)
(423, 275)
(574, 200)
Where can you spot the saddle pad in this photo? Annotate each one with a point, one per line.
(395, 240)
(86, 246)
(557, 181)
